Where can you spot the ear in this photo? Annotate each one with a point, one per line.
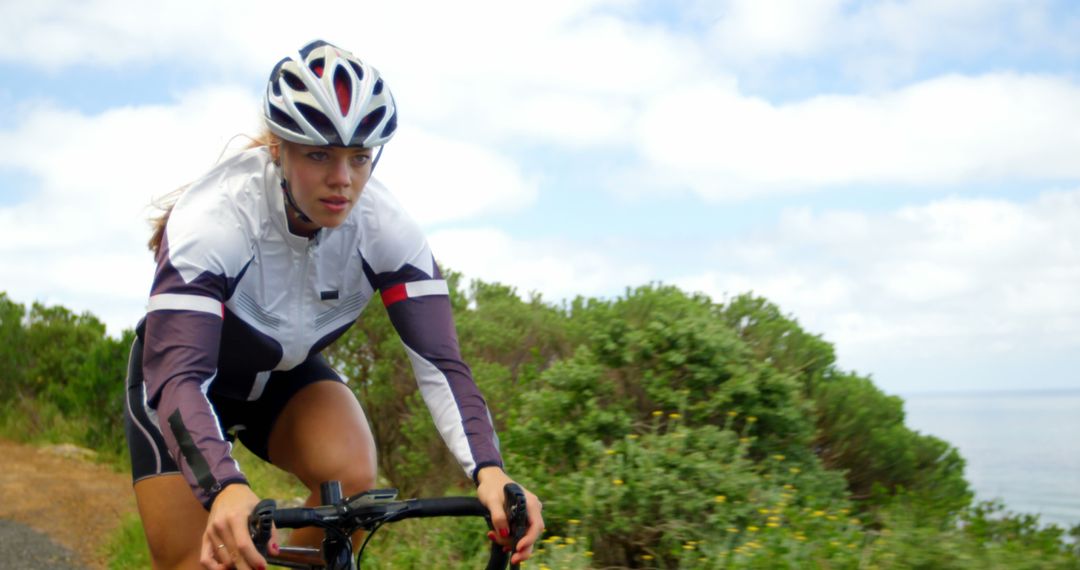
(275, 154)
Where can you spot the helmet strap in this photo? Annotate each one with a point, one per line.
(375, 162)
(292, 203)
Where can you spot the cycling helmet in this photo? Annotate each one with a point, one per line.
(324, 96)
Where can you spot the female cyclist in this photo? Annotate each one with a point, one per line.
(262, 263)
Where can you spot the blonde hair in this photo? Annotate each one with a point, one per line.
(166, 203)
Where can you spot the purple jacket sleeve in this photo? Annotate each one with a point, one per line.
(183, 331)
(419, 308)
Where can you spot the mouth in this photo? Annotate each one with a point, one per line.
(335, 203)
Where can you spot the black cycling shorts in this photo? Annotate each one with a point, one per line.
(248, 420)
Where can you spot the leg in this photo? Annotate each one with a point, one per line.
(173, 521)
(321, 435)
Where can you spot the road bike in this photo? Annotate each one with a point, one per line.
(340, 517)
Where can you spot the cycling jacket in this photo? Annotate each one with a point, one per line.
(236, 295)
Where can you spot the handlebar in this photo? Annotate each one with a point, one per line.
(341, 517)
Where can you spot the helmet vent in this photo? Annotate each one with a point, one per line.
(317, 66)
(343, 89)
(282, 119)
(293, 81)
(378, 87)
(359, 70)
(372, 120)
(391, 126)
(320, 121)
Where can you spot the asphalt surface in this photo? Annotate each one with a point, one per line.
(23, 548)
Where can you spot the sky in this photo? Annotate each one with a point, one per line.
(900, 177)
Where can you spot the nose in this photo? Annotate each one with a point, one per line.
(340, 175)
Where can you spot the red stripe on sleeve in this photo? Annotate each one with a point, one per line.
(393, 294)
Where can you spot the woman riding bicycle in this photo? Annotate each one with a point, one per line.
(262, 263)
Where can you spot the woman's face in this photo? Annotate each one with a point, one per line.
(326, 182)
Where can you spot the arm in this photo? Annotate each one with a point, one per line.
(183, 331)
(420, 311)
(419, 308)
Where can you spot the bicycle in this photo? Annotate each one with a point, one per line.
(340, 517)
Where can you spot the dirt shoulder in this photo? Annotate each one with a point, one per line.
(57, 490)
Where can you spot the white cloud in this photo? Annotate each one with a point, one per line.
(755, 29)
(944, 131)
(557, 269)
(898, 36)
(956, 280)
(440, 179)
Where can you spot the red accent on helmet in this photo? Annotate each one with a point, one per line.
(343, 88)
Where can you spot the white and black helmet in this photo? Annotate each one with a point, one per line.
(326, 96)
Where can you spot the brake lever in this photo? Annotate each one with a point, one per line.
(261, 523)
(517, 515)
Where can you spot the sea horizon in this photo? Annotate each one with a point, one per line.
(1018, 445)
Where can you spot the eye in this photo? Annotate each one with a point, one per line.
(361, 159)
(317, 155)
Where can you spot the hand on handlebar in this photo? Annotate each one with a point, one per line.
(226, 543)
(491, 494)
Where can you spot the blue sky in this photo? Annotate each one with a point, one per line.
(902, 177)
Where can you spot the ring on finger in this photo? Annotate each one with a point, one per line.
(220, 546)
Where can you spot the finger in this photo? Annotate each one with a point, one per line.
(208, 555)
(273, 547)
(499, 524)
(536, 528)
(241, 548)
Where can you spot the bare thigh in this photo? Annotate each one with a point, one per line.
(322, 435)
(172, 519)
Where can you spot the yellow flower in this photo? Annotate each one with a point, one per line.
(588, 554)
(772, 524)
(646, 556)
(778, 457)
(752, 528)
(795, 470)
(674, 416)
(789, 487)
(831, 517)
(571, 540)
(609, 451)
(732, 529)
(732, 414)
(751, 419)
(616, 482)
(720, 499)
(657, 413)
(744, 440)
(800, 538)
(764, 511)
(688, 547)
(632, 436)
(574, 521)
(819, 513)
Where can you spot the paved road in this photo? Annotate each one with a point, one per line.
(24, 548)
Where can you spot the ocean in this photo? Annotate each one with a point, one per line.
(1020, 447)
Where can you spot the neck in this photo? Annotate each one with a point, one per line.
(297, 226)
